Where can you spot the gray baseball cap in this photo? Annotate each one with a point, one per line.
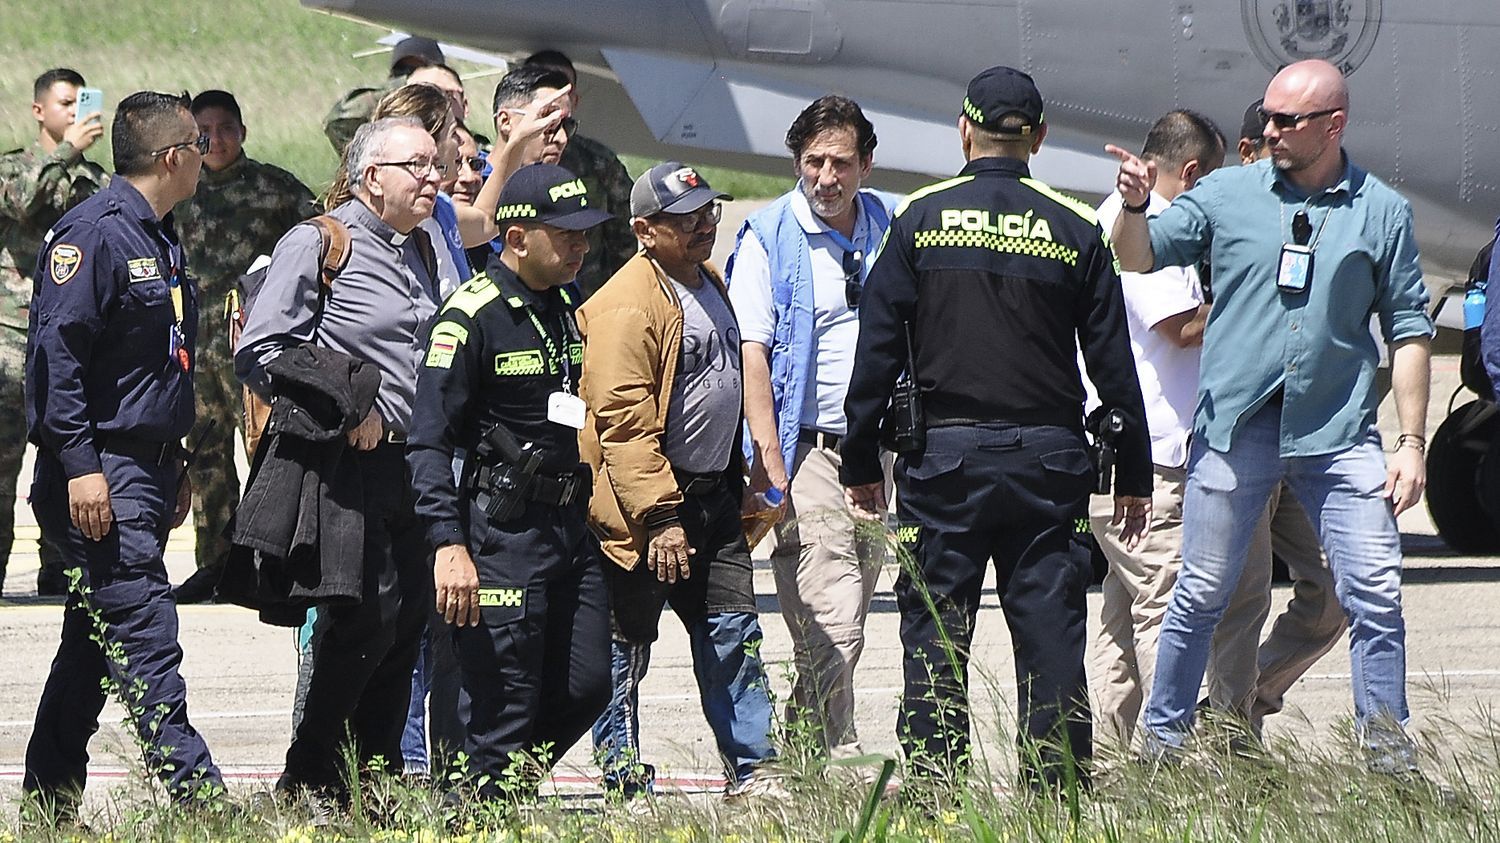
(671, 187)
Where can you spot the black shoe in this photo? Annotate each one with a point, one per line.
(199, 588)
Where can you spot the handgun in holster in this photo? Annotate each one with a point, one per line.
(1105, 426)
(503, 473)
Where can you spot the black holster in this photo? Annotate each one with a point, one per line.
(502, 489)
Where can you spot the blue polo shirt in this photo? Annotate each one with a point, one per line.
(1316, 345)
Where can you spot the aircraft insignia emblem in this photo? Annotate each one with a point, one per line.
(1285, 31)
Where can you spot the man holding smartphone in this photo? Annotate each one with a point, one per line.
(38, 184)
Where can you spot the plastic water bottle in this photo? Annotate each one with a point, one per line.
(1474, 307)
(770, 498)
(757, 525)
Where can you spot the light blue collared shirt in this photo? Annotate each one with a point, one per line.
(1315, 344)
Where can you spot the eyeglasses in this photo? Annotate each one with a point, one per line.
(420, 168)
(853, 289)
(201, 142)
(474, 163)
(1301, 228)
(709, 214)
(1285, 121)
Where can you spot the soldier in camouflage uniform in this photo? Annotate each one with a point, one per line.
(612, 243)
(37, 185)
(355, 107)
(241, 209)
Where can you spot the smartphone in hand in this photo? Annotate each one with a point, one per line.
(90, 101)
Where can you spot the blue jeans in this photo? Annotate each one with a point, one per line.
(1343, 495)
(731, 686)
(414, 736)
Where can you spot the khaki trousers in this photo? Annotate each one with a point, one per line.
(1242, 678)
(1313, 620)
(824, 580)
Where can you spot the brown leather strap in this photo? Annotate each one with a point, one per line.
(335, 250)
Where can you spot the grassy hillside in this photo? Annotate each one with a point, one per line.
(286, 65)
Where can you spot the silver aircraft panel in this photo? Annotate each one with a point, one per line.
(722, 78)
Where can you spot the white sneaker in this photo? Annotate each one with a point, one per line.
(762, 786)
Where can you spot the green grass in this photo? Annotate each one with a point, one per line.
(736, 183)
(1293, 792)
(284, 63)
(1287, 790)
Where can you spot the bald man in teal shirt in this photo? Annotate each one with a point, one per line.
(1304, 248)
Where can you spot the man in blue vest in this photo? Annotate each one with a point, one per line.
(795, 281)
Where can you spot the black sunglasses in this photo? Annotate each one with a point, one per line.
(474, 163)
(1285, 121)
(853, 289)
(201, 142)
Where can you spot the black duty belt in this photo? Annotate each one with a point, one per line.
(145, 450)
(1071, 419)
(819, 439)
(550, 489)
(698, 484)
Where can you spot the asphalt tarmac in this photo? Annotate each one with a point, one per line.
(240, 673)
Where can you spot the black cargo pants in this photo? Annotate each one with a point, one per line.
(1017, 494)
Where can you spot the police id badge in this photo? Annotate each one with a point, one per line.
(566, 410)
(1295, 268)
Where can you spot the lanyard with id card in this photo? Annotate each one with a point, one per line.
(563, 407)
(1294, 270)
(176, 336)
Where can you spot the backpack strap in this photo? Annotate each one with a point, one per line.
(335, 248)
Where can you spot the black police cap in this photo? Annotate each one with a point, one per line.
(1001, 91)
(547, 193)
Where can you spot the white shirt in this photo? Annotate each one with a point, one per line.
(1167, 372)
(835, 326)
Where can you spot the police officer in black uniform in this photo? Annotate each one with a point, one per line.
(998, 279)
(518, 573)
(109, 397)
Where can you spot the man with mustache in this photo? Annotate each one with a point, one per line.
(661, 379)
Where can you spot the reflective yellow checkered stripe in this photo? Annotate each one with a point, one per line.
(959, 239)
(501, 597)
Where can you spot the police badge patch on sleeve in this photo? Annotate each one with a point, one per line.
(446, 338)
(66, 258)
